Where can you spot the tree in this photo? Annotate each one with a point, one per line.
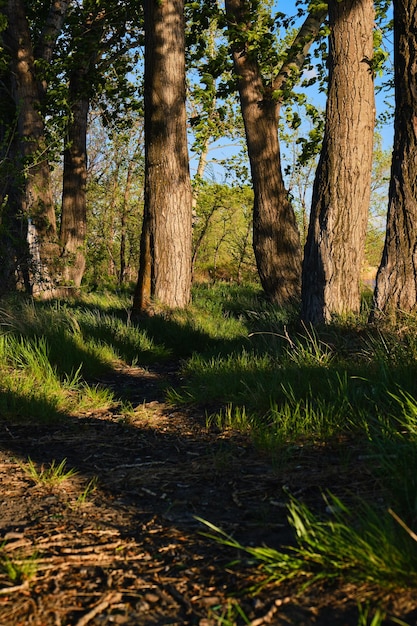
(264, 82)
(165, 260)
(396, 282)
(28, 210)
(334, 250)
(99, 40)
(86, 44)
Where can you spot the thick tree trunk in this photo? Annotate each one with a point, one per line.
(396, 282)
(167, 228)
(14, 251)
(74, 213)
(335, 244)
(32, 172)
(276, 238)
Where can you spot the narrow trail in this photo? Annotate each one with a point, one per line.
(131, 552)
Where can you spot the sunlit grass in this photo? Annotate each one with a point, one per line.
(48, 352)
(359, 545)
(50, 475)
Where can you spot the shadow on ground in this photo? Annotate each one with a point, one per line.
(131, 551)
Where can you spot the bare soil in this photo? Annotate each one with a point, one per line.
(132, 552)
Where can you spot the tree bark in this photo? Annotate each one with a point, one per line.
(167, 227)
(396, 282)
(123, 223)
(334, 250)
(276, 237)
(33, 205)
(74, 212)
(14, 251)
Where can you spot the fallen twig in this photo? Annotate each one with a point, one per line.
(4, 591)
(110, 598)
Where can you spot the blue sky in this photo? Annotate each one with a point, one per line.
(224, 150)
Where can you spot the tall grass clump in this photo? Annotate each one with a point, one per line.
(29, 384)
(393, 443)
(44, 359)
(359, 544)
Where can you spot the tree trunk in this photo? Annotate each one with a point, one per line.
(396, 282)
(334, 250)
(74, 199)
(167, 227)
(74, 213)
(276, 238)
(123, 223)
(14, 251)
(33, 200)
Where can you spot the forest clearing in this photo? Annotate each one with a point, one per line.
(119, 436)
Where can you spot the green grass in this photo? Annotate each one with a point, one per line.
(52, 475)
(254, 369)
(358, 544)
(49, 352)
(17, 570)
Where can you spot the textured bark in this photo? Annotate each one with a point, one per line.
(168, 196)
(123, 222)
(32, 191)
(335, 244)
(276, 238)
(142, 299)
(14, 252)
(396, 282)
(74, 213)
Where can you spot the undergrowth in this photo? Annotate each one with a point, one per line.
(254, 369)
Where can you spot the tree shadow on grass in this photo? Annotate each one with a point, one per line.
(155, 473)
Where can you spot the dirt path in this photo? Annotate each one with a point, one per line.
(131, 552)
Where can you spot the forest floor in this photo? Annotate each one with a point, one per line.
(131, 552)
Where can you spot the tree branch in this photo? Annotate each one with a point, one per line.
(298, 51)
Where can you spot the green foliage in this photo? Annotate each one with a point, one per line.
(115, 204)
(222, 234)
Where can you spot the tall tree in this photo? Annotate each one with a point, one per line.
(100, 39)
(276, 237)
(336, 238)
(396, 282)
(87, 47)
(29, 210)
(165, 262)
